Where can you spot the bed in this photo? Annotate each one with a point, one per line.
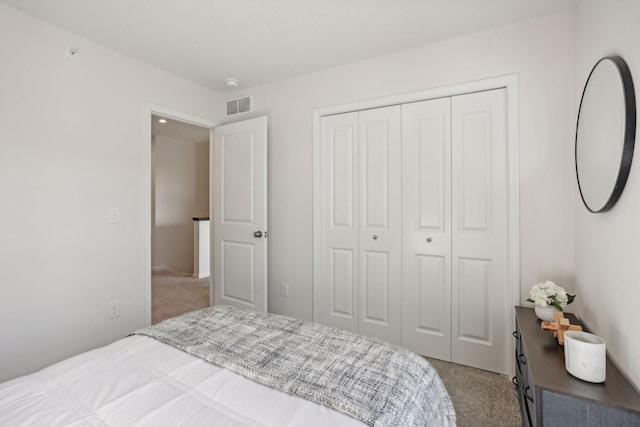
(222, 366)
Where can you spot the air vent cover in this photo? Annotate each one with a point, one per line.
(239, 106)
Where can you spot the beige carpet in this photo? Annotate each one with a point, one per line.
(174, 293)
(480, 398)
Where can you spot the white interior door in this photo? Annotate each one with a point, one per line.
(239, 245)
(479, 226)
(339, 222)
(426, 241)
(380, 235)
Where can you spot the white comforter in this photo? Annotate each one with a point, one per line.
(139, 381)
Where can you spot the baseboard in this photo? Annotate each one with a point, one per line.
(201, 275)
(160, 269)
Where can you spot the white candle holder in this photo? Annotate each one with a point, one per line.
(585, 356)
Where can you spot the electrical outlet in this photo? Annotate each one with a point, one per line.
(114, 310)
(284, 289)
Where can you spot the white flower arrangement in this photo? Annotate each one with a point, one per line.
(547, 293)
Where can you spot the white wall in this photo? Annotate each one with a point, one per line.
(71, 146)
(181, 193)
(608, 244)
(540, 51)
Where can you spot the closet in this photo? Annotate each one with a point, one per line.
(413, 226)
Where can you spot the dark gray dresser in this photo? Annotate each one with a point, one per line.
(550, 396)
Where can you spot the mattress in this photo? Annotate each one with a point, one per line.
(138, 381)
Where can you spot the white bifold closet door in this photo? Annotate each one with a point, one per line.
(426, 240)
(413, 226)
(455, 229)
(339, 222)
(361, 222)
(479, 231)
(380, 237)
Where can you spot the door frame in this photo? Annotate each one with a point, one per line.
(149, 110)
(508, 82)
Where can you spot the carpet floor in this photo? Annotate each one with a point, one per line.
(173, 294)
(480, 398)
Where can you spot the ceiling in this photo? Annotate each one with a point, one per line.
(176, 129)
(261, 41)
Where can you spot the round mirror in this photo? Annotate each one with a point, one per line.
(605, 134)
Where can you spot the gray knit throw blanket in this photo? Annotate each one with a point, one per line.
(377, 383)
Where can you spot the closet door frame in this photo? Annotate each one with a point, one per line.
(508, 82)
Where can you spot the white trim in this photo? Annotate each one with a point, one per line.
(513, 209)
(317, 208)
(510, 83)
(149, 110)
(212, 160)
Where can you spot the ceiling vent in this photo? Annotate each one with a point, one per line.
(239, 106)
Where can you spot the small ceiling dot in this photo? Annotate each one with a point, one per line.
(73, 52)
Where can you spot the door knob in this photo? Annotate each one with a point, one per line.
(375, 237)
(257, 234)
(429, 239)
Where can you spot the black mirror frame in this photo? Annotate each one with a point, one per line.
(629, 132)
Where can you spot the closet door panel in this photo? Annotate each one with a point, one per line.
(426, 246)
(475, 177)
(380, 223)
(375, 301)
(375, 181)
(342, 180)
(430, 274)
(341, 283)
(474, 286)
(479, 234)
(339, 221)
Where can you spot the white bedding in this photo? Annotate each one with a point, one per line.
(138, 381)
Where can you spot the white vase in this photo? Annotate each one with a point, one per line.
(546, 313)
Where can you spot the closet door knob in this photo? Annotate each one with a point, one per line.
(257, 234)
(429, 239)
(375, 237)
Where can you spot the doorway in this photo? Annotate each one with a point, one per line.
(179, 218)
(177, 196)
(237, 203)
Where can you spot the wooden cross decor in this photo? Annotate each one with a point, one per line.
(559, 326)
